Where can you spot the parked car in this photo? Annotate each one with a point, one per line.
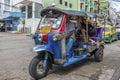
(109, 34)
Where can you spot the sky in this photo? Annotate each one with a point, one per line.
(115, 4)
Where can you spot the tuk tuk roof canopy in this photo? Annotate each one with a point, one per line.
(99, 15)
(70, 12)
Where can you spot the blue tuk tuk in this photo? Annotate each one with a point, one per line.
(51, 43)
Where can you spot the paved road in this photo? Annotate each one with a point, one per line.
(15, 56)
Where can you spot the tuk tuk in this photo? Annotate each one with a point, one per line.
(51, 42)
(118, 30)
(109, 34)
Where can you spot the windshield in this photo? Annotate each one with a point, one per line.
(107, 29)
(53, 21)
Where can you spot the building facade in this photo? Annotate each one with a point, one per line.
(5, 8)
(11, 14)
(104, 7)
(79, 5)
(32, 9)
(22, 14)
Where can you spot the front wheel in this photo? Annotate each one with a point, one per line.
(98, 55)
(37, 67)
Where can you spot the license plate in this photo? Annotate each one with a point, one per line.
(45, 29)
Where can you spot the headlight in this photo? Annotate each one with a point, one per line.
(40, 37)
(58, 36)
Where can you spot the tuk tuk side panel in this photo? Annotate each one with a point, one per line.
(55, 45)
(52, 46)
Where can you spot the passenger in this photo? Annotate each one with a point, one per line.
(91, 32)
(69, 35)
(78, 29)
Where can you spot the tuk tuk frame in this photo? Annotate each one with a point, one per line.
(49, 51)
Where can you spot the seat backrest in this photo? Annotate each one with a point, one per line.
(99, 32)
(96, 33)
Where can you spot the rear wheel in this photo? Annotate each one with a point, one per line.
(98, 55)
(37, 69)
(119, 37)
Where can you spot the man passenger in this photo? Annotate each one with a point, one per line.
(82, 28)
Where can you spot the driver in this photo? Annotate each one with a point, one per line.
(69, 35)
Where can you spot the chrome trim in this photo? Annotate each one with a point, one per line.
(39, 50)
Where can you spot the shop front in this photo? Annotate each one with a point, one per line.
(13, 21)
(2, 26)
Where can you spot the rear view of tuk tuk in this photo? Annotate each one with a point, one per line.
(51, 42)
(109, 34)
(118, 30)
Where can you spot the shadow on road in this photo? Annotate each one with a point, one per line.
(73, 67)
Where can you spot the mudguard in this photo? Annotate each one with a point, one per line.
(40, 48)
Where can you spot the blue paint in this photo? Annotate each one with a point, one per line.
(98, 34)
(53, 46)
(35, 37)
(118, 33)
(74, 60)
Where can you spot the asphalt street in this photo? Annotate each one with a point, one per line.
(16, 54)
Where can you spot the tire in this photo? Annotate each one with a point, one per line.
(118, 37)
(98, 55)
(34, 64)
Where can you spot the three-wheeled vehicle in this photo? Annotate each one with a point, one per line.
(110, 34)
(118, 30)
(51, 43)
